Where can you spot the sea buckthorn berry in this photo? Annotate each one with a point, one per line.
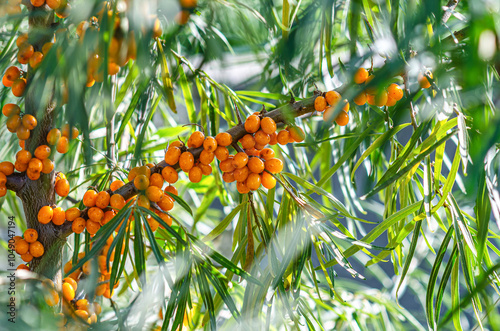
(252, 124)
(284, 137)
(10, 109)
(240, 160)
(360, 76)
(320, 103)
(172, 155)
(268, 125)
(59, 216)
(166, 203)
(256, 165)
(395, 92)
(346, 105)
(68, 292)
(72, 213)
(21, 40)
(170, 174)
(242, 187)
(210, 144)
(141, 182)
(30, 235)
(12, 73)
(273, 138)
(342, 118)
(423, 81)
(296, 133)
(205, 169)
(176, 143)
(117, 201)
(206, 157)
(241, 174)
(36, 249)
(89, 198)
(381, 98)
(228, 177)
(195, 174)
(3, 179)
(92, 228)
(247, 142)
(186, 161)
(42, 152)
(7, 168)
(221, 153)
(25, 267)
(154, 193)
(156, 179)
(227, 165)
(171, 189)
(390, 102)
(35, 165)
(115, 185)
(45, 214)
(53, 4)
(261, 138)
(132, 174)
(22, 246)
(33, 175)
(13, 122)
(63, 145)
(274, 165)
(253, 181)
(360, 99)
(144, 170)
(95, 214)
(224, 139)
(3, 190)
(252, 152)
(25, 53)
(102, 200)
(108, 216)
(21, 167)
(23, 156)
(196, 139)
(37, 3)
(53, 136)
(22, 132)
(47, 166)
(78, 225)
(70, 280)
(328, 114)
(74, 133)
(65, 130)
(370, 99)
(27, 257)
(36, 59)
(333, 97)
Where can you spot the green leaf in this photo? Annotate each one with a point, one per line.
(221, 227)
(181, 202)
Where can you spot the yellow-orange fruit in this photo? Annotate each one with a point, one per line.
(36, 249)
(95, 214)
(395, 92)
(206, 157)
(205, 169)
(27, 257)
(22, 247)
(53, 136)
(253, 181)
(22, 132)
(283, 137)
(18, 87)
(45, 214)
(196, 139)
(42, 152)
(141, 182)
(224, 139)
(423, 81)
(10, 109)
(78, 225)
(169, 174)
(53, 4)
(242, 187)
(37, 3)
(342, 118)
(255, 165)
(267, 154)
(268, 125)
(221, 153)
(7, 168)
(92, 228)
(115, 185)
(36, 59)
(30, 235)
(156, 179)
(360, 99)
(360, 76)
(274, 165)
(381, 98)
(154, 193)
(117, 201)
(171, 189)
(195, 174)
(62, 145)
(240, 160)
(227, 165)
(59, 216)
(13, 122)
(261, 138)
(333, 97)
(108, 216)
(390, 102)
(296, 133)
(25, 53)
(186, 161)
(62, 187)
(23, 156)
(68, 292)
(89, 198)
(102, 199)
(32, 174)
(252, 124)
(143, 201)
(268, 181)
(228, 177)
(210, 144)
(247, 142)
(72, 214)
(320, 103)
(166, 202)
(172, 155)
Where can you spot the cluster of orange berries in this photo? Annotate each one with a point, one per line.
(376, 96)
(21, 124)
(327, 103)
(28, 247)
(60, 138)
(6, 169)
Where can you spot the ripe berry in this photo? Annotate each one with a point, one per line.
(273, 138)
(319, 103)
(22, 247)
(102, 199)
(360, 76)
(332, 97)
(59, 216)
(228, 177)
(253, 181)
(186, 161)
(224, 139)
(62, 187)
(42, 152)
(72, 213)
(108, 216)
(32, 174)
(47, 166)
(10, 109)
(141, 182)
(22, 132)
(240, 160)
(248, 141)
(242, 187)
(35, 165)
(30, 235)
(117, 201)
(206, 157)
(21, 167)
(268, 125)
(381, 98)
(196, 139)
(154, 193)
(7, 168)
(205, 169)
(241, 174)
(360, 99)
(36, 59)
(210, 144)
(390, 102)
(342, 118)
(78, 225)
(27, 257)
(13, 122)
(227, 165)
(37, 3)
(23, 156)
(170, 174)
(395, 92)
(284, 137)
(25, 53)
(256, 165)
(36, 249)
(252, 124)
(296, 133)
(423, 81)
(63, 145)
(89, 198)
(261, 138)
(116, 185)
(156, 180)
(68, 292)
(221, 153)
(172, 155)
(18, 87)
(92, 228)
(166, 203)
(53, 4)
(53, 136)
(45, 214)
(195, 174)
(95, 214)
(171, 189)
(274, 165)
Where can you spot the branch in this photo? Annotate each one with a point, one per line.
(16, 181)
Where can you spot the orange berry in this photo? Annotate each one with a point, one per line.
(74, 133)
(46, 47)
(268, 181)
(65, 130)
(30, 235)
(108, 216)
(209, 144)
(36, 59)
(53, 4)
(247, 142)
(423, 81)
(228, 177)
(95, 214)
(63, 145)
(166, 203)
(22, 247)
(186, 161)
(7, 168)
(10, 109)
(221, 153)
(35, 165)
(206, 157)
(22, 267)
(42, 152)
(205, 169)
(21, 167)
(117, 201)
(227, 165)
(253, 181)
(390, 102)
(59, 216)
(154, 193)
(37, 3)
(273, 138)
(13, 122)
(23, 156)
(156, 179)
(395, 92)
(68, 291)
(143, 201)
(170, 174)
(176, 143)
(172, 155)
(32, 174)
(22, 132)
(45, 214)
(196, 139)
(381, 98)
(78, 225)
(70, 280)
(195, 174)
(360, 76)
(252, 124)
(319, 103)
(342, 118)
(102, 199)
(47, 166)
(89, 198)
(370, 99)
(53, 136)
(36, 249)
(27, 257)
(141, 182)
(25, 53)
(3, 190)
(267, 154)
(261, 138)
(171, 189)
(241, 174)
(274, 165)
(224, 139)
(92, 228)
(240, 160)
(296, 133)
(242, 187)
(360, 99)
(268, 125)
(115, 185)
(72, 214)
(333, 97)
(283, 137)
(255, 165)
